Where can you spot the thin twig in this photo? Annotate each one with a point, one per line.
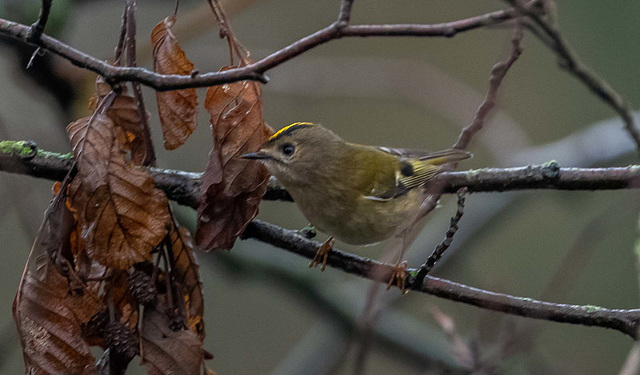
(444, 245)
(498, 72)
(345, 12)
(37, 28)
(256, 70)
(130, 46)
(570, 61)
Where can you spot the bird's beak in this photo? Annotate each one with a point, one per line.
(258, 155)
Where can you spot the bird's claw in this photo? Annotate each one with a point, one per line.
(399, 276)
(322, 254)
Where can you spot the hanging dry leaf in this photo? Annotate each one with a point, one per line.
(167, 351)
(49, 317)
(232, 187)
(178, 108)
(125, 113)
(91, 140)
(185, 271)
(123, 216)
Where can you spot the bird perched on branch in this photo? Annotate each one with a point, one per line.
(358, 194)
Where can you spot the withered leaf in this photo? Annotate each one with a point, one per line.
(91, 140)
(126, 306)
(186, 273)
(49, 317)
(124, 216)
(167, 351)
(125, 113)
(232, 187)
(178, 108)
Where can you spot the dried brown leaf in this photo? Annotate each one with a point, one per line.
(91, 140)
(49, 317)
(167, 351)
(125, 113)
(178, 108)
(125, 305)
(232, 187)
(124, 216)
(185, 271)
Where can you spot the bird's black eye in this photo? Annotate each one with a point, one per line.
(288, 149)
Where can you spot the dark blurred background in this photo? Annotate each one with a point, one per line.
(266, 312)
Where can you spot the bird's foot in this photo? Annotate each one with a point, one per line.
(399, 276)
(322, 254)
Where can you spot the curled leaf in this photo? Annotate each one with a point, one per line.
(123, 216)
(232, 187)
(91, 140)
(126, 114)
(167, 351)
(178, 108)
(186, 274)
(48, 315)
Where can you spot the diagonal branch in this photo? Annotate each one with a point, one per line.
(626, 321)
(254, 71)
(498, 72)
(569, 60)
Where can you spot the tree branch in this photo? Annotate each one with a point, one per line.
(255, 71)
(625, 321)
(38, 27)
(570, 61)
(26, 158)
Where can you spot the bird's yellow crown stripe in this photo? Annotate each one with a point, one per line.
(279, 132)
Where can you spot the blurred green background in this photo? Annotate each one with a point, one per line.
(266, 312)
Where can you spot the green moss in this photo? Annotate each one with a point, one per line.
(26, 148)
(592, 308)
(20, 148)
(47, 154)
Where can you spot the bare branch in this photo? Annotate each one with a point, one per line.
(130, 45)
(498, 72)
(625, 321)
(444, 245)
(570, 61)
(25, 158)
(254, 71)
(37, 28)
(345, 12)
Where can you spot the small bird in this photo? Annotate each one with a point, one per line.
(356, 193)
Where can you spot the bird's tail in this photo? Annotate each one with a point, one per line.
(446, 156)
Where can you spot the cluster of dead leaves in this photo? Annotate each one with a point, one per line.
(232, 188)
(110, 266)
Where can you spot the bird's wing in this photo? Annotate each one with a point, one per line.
(415, 172)
(450, 155)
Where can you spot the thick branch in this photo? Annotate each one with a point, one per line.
(25, 158)
(184, 187)
(256, 70)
